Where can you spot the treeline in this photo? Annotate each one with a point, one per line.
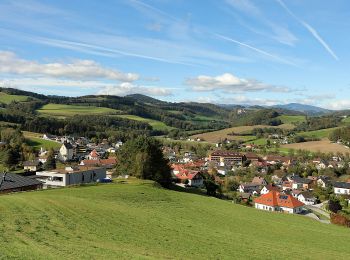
(13, 148)
(317, 123)
(342, 134)
(260, 117)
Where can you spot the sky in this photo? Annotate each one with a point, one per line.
(251, 52)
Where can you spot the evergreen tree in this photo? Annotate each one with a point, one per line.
(50, 163)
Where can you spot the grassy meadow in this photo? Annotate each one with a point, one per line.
(139, 220)
(157, 125)
(35, 140)
(61, 110)
(289, 119)
(7, 99)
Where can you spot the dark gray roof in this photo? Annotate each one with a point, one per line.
(298, 179)
(307, 195)
(15, 181)
(31, 163)
(344, 185)
(68, 145)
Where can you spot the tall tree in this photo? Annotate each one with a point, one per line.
(50, 163)
(143, 158)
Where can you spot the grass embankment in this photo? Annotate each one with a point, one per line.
(7, 99)
(141, 221)
(35, 140)
(60, 110)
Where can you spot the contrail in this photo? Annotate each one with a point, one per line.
(256, 49)
(310, 29)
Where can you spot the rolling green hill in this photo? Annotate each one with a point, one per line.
(139, 220)
(7, 99)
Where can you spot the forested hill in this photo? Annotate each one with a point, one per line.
(104, 115)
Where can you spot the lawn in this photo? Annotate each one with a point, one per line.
(60, 110)
(287, 119)
(7, 99)
(138, 220)
(35, 140)
(156, 125)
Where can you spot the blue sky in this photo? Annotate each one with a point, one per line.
(230, 51)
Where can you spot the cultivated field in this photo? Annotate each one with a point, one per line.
(60, 110)
(7, 99)
(138, 220)
(35, 140)
(324, 146)
(215, 136)
(157, 125)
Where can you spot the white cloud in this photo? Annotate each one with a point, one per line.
(78, 69)
(127, 88)
(338, 104)
(230, 83)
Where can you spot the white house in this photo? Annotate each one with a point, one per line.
(71, 176)
(276, 201)
(195, 179)
(341, 188)
(307, 198)
(66, 152)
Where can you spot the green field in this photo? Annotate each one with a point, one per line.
(156, 125)
(35, 140)
(286, 119)
(138, 220)
(323, 133)
(60, 110)
(7, 99)
(346, 120)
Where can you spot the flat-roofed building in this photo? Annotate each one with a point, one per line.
(227, 157)
(71, 176)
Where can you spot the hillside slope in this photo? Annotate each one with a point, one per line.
(141, 221)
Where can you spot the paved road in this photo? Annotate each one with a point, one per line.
(321, 212)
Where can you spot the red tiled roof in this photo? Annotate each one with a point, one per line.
(94, 153)
(274, 198)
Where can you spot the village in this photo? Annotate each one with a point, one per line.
(267, 182)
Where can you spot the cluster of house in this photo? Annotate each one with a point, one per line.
(71, 175)
(92, 166)
(189, 174)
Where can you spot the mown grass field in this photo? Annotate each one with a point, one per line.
(7, 99)
(35, 140)
(60, 110)
(288, 119)
(138, 220)
(215, 136)
(156, 125)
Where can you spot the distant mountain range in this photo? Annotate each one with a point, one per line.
(297, 107)
(307, 109)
